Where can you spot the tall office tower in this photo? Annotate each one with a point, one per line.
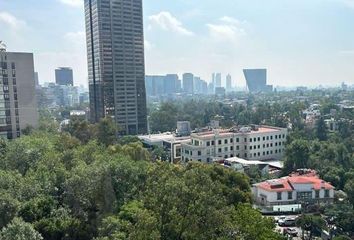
(217, 80)
(197, 85)
(170, 83)
(228, 82)
(188, 83)
(64, 76)
(18, 104)
(116, 67)
(256, 80)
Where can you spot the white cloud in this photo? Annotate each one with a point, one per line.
(228, 29)
(11, 20)
(75, 37)
(73, 3)
(167, 22)
(148, 45)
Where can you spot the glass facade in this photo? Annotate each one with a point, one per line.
(115, 47)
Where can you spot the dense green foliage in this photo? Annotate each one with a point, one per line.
(54, 186)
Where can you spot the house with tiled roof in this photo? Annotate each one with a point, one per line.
(293, 189)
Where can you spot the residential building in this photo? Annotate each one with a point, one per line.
(64, 76)
(18, 103)
(256, 80)
(116, 65)
(293, 189)
(251, 143)
(188, 83)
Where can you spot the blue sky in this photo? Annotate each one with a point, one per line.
(301, 42)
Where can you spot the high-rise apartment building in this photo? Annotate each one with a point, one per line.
(18, 104)
(64, 76)
(116, 68)
(188, 83)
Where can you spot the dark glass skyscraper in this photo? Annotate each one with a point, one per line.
(116, 66)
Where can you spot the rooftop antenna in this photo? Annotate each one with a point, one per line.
(2, 46)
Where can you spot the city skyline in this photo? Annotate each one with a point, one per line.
(300, 43)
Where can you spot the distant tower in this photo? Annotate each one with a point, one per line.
(64, 76)
(188, 83)
(228, 82)
(257, 80)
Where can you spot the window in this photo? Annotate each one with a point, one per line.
(219, 150)
(250, 147)
(225, 141)
(245, 155)
(267, 137)
(250, 139)
(212, 143)
(219, 142)
(245, 147)
(263, 138)
(231, 148)
(237, 147)
(271, 137)
(237, 140)
(226, 149)
(259, 139)
(278, 195)
(304, 195)
(326, 193)
(290, 195)
(245, 139)
(208, 143)
(231, 140)
(199, 153)
(317, 194)
(255, 139)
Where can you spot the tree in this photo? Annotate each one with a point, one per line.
(106, 132)
(321, 129)
(297, 155)
(349, 189)
(19, 230)
(313, 224)
(8, 208)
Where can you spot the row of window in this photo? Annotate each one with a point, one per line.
(303, 195)
(231, 140)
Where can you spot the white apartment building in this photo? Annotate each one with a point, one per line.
(293, 190)
(250, 143)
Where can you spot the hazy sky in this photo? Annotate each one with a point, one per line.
(301, 42)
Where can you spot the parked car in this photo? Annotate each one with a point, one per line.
(287, 222)
(291, 232)
(277, 219)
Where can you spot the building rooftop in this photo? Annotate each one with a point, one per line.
(242, 130)
(286, 184)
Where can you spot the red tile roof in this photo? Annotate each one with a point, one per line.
(286, 184)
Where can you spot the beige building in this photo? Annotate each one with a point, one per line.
(251, 143)
(18, 104)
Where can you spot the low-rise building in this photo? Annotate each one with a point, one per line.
(168, 141)
(293, 189)
(251, 143)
